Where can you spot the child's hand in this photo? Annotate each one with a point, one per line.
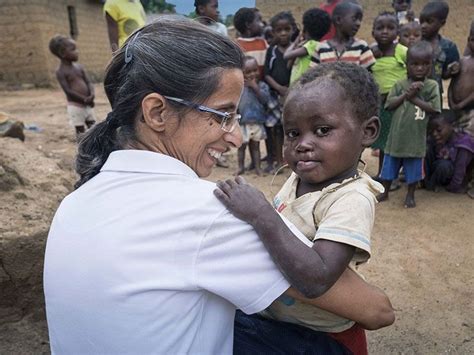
(282, 90)
(454, 68)
(252, 84)
(414, 88)
(245, 201)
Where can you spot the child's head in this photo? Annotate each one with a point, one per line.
(64, 48)
(433, 17)
(419, 59)
(347, 18)
(401, 5)
(248, 22)
(470, 39)
(282, 27)
(207, 8)
(329, 117)
(385, 28)
(441, 128)
(316, 23)
(250, 69)
(410, 33)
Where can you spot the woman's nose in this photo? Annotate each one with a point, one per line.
(235, 137)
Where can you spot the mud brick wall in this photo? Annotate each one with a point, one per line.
(457, 28)
(26, 27)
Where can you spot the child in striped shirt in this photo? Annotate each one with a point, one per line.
(344, 47)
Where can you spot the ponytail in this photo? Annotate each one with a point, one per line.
(95, 148)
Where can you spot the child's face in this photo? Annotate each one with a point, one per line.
(250, 70)
(282, 32)
(70, 52)
(323, 138)
(441, 131)
(400, 5)
(385, 30)
(410, 34)
(430, 25)
(418, 65)
(211, 10)
(470, 43)
(256, 26)
(349, 24)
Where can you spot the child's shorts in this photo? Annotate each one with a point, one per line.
(79, 116)
(413, 168)
(252, 132)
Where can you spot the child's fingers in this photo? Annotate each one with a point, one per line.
(240, 180)
(221, 196)
(223, 186)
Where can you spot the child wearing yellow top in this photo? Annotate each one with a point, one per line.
(390, 67)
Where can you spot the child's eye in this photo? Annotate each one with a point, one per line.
(292, 133)
(322, 131)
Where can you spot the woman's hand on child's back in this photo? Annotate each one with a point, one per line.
(245, 201)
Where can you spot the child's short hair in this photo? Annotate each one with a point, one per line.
(357, 83)
(385, 14)
(409, 26)
(316, 23)
(198, 3)
(284, 15)
(420, 47)
(57, 44)
(343, 8)
(438, 9)
(244, 16)
(249, 58)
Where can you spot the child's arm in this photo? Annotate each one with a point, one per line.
(353, 298)
(463, 158)
(312, 271)
(296, 49)
(452, 56)
(431, 102)
(396, 96)
(89, 99)
(60, 75)
(275, 86)
(425, 106)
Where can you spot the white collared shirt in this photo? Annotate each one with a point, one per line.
(144, 259)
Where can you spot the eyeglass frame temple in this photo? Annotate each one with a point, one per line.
(223, 115)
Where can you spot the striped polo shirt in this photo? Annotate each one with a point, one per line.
(255, 47)
(358, 52)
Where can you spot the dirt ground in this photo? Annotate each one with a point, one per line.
(422, 258)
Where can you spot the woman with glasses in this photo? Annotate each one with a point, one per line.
(142, 258)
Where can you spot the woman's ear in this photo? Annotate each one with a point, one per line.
(154, 107)
(371, 131)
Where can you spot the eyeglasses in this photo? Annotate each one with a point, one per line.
(227, 120)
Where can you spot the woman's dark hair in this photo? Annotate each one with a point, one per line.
(173, 56)
(316, 23)
(243, 17)
(356, 82)
(284, 15)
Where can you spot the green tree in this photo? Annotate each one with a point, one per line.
(158, 6)
(229, 20)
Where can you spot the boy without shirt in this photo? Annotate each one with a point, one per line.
(75, 83)
(461, 89)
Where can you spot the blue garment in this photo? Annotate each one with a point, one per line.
(254, 334)
(446, 53)
(413, 168)
(251, 108)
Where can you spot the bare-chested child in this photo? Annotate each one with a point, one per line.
(461, 89)
(75, 83)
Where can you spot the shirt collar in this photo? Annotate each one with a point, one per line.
(145, 161)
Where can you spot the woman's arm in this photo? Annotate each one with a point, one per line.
(353, 298)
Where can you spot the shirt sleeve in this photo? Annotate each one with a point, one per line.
(393, 93)
(111, 8)
(452, 55)
(349, 220)
(233, 263)
(433, 96)
(315, 57)
(367, 58)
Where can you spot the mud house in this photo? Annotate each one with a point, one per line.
(26, 27)
(457, 28)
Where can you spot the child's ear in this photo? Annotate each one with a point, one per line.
(371, 131)
(153, 109)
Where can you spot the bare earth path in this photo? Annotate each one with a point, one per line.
(423, 257)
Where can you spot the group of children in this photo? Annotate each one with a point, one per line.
(409, 61)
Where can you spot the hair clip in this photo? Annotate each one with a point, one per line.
(129, 49)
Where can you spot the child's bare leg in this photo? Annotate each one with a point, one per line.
(241, 158)
(386, 185)
(79, 131)
(254, 147)
(410, 198)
